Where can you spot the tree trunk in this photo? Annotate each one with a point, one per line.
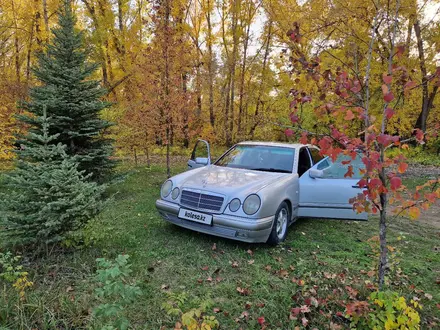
(210, 68)
(235, 40)
(263, 74)
(426, 104)
(165, 50)
(242, 75)
(46, 19)
(147, 151)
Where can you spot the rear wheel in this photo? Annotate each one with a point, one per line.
(280, 225)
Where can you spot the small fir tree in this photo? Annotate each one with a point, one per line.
(72, 99)
(48, 197)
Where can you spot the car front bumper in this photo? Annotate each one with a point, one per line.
(238, 228)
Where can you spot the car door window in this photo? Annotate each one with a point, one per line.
(316, 156)
(303, 161)
(339, 168)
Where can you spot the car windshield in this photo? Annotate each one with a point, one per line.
(259, 158)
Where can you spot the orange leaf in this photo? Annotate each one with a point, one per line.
(349, 115)
(402, 167)
(414, 212)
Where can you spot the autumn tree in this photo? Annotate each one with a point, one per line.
(355, 108)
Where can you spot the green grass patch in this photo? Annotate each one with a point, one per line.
(320, 256)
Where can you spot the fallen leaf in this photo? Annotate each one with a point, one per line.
(245, 315)
(304, 321)
(216, 310)
(250, 252)
(428, 296)
(235, 264)
(250, 262)
(69, 289)
(205, 268)
(261, 320)
(243, 291)
(165, 286)
(214, 247)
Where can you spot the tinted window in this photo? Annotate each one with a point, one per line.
(259, 158)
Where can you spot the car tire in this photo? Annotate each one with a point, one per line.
(280, 225)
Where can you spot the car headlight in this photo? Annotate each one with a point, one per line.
(166, 188)
(175, 193)
(234, 205)
(251, 204)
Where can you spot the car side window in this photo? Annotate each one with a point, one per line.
(303, 161)
(339, 168)
(324, 164)
(315, 155)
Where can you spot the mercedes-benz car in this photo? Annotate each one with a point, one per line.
(255, 190)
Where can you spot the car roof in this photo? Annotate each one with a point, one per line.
(273, 144)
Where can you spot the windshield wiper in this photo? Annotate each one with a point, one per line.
(271, 170)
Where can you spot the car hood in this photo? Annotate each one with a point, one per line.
(226, 180)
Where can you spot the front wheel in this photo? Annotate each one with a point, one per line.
(280, 225)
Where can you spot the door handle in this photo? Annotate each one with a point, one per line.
(355, 186)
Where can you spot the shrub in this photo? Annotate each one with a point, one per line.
(115, 292)
(384, 310)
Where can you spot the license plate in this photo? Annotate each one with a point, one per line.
(195, 216)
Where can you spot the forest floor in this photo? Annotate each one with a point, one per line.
(322, 266)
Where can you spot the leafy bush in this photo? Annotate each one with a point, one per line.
(115, 292)
(12, 272)
(384, 310)
(192, 319)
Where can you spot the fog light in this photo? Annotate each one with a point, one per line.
(175, 193)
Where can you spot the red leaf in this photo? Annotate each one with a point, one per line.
(387, 79)
(349, 172)
(389, 97)
(349, 115)
(395, 182)
(389, 112)
(419, 135)
(400, 50)
(294, 118)
(303, 138)
(409, 85)
(261, 320)
(385, 89)
(288, 132)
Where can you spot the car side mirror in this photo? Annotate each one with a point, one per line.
(202, 161)
(314, 173)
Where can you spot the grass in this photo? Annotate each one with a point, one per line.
(169, 261)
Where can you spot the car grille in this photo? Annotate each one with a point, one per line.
(201, 201)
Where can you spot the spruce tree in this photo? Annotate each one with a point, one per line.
(72, 98)
(47, 197)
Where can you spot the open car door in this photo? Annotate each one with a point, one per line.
(324, 191)
(200, 156)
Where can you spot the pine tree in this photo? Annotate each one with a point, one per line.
(47, 197)
(73, 100)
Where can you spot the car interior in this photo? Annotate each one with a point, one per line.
(303, 162)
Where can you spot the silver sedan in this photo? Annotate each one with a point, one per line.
(255, 190)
